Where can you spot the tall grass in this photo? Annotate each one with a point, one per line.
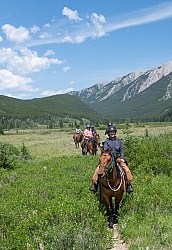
(146, 216)
(49, 204)
(46, 204)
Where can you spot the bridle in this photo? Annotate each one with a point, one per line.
(109, 170)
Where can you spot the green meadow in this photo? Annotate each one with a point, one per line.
(45, 198)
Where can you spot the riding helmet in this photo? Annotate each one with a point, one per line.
(110, 124)
(112, 128)
(88, 126)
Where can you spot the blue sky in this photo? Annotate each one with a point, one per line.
(50, 47)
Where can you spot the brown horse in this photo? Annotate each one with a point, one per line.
(91, 146)
(77, 139)
(111, 184)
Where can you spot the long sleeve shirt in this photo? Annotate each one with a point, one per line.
(116, 145)
(87, 134)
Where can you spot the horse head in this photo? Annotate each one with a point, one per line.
(97, 139)
(106, 162)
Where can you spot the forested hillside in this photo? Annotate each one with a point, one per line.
(50, 111)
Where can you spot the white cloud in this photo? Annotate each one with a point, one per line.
(34, 29)
(144, 16)
(10, 81)
(97, 25)
(47, 25)
(65, 69)
(49, 52)
(71, 14)
(50, 92)
(1, 39)
(20, 96)
(72, 82)
(25, 61)
(45, 35)
(98, 21)
(13, 34)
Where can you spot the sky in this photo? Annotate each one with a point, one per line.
(50, 47)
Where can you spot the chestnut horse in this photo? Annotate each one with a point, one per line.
(111, 184)
(91, 146)
(77, 138)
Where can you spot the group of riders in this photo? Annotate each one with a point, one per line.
(113, 143)
(88, 134)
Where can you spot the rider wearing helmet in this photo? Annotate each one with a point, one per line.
(117, 150)
(94, 132)
(87, 134)
(106, 132)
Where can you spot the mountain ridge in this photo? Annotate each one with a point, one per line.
(121, 93)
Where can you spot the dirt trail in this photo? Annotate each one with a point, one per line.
(119, 244)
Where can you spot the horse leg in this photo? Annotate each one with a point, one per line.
(116, 211)
(108, 204)
(111, 216)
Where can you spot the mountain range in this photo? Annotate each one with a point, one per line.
(137, 95)
(144, 96)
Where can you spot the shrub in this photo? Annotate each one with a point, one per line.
(8, 155)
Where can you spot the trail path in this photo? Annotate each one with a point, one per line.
(119, 244)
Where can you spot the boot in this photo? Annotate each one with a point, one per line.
(94, 188)
(129, 188)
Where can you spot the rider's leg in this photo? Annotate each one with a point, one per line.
(129, 177)
(94, 188)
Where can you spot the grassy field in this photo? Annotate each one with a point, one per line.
(46, 204)
(46, 143)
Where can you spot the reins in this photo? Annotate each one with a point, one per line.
(110, 169)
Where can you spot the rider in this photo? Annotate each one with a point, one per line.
(78, 130)
(87, 135)
(106, 132)
(117, 149)
(94, 132)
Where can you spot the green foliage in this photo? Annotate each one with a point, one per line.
(150, 153)
(15, 113)
(8, 155)
(1, 131)
(145, 217)
(24, 152)
(49, 203)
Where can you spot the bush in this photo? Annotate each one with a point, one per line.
(8, 155)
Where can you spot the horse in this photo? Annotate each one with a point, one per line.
(77, 139)
(111, 184)
(91, 145)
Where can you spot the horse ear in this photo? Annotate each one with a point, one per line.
(109, 150)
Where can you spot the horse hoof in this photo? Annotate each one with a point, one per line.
(110, 225)
(115, 220)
